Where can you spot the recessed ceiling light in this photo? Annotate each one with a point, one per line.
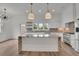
(39, 11)
(53, 10)
(23, 25)
(26, 11)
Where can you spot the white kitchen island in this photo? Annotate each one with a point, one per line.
(40, 43)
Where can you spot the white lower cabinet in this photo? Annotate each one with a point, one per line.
(67, 38)
(74, 43)
(72, 40)
(77, 45)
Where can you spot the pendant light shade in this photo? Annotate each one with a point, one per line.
(48, 15)
(31, 15)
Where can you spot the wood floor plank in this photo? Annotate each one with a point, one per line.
(43, 54)
(34, 53)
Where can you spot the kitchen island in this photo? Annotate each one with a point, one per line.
(51, 43)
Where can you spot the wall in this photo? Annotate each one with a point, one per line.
(11, 25)
(67, 15)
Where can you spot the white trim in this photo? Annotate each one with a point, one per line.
(0, 25)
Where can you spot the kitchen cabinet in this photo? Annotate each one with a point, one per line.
(72, 37)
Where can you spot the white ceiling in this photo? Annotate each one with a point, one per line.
(22, 7)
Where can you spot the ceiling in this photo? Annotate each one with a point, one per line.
(37, 7)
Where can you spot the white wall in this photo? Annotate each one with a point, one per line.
(17, 15)
(77, 10)
(67, 15)
(11, 26)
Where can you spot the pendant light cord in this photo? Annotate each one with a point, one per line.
(47, 7)
(31, 6)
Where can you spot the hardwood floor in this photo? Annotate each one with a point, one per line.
(10, 48)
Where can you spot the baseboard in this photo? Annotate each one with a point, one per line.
(38, 51)
(6, 40)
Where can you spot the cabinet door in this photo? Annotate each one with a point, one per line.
(72, 38)
(67, 38)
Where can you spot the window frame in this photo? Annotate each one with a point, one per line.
(0, 26)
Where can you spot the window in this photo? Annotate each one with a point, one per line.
(41, 26)
(0, 24)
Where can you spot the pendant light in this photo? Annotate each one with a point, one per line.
(31, 15)
(48, 14)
